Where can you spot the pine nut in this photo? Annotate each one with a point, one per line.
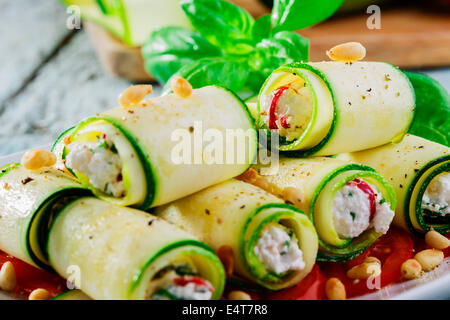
(293, 195)
(372, 260)
(133, 95)
(411, 269)
(8, 279)
(39, 294)
(335, 289)
(364, 271)
(66, 139)
(347, 52)
(429, 258)
(225, 254)
(252, 177)
(181, 87)
(436, 240)
(239, 295)
(36, 159)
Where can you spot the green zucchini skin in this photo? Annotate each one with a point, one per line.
(74, 294)
(227, 112)
(344, 119)
(107, 233)
(316, 178)
(24, 227)
(410, 165)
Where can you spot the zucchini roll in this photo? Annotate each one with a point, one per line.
(273, 244)
(28, 200)
(143, 155)
(325, 108)
(419, 171)
(350, 205)
(122, 253)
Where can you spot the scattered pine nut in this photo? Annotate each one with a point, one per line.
(225, 254)
(372, 260)
(293, 195)
(39, 294)
(347, 52)
(252, 177)
(335, 289)
(8, 279)
(411, 269)
(364, 271)
(239, 295)
(133, 95)
(429, 258)
(66, 139)
(436, 240)
(181, 87)
(36, 159)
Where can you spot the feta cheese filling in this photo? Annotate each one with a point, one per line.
(188, 287)
(100, 162)
(437, 195)
(277, 249)
(293, 109)
(352, 212)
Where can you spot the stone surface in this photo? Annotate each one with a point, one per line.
(30, 31)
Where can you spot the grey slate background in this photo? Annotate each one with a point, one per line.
(50, 77)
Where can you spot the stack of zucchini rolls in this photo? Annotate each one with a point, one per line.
(346, 171)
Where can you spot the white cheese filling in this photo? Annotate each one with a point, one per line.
(437, 195)
(278, 251)
(351, 212)
(295, 105)
(188, 291)
(100, 164)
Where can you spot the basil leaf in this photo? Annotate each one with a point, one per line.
(299, 14)
(285, 47)
(225, 72)
(262, 28)
(432, 109)
(170, 48)
(221, 23)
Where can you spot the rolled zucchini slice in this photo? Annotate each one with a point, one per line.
(273, 244)
(123, 253)
(350, 205)
(28, 201)
(142, 156)
(419, 170)
(325, 108)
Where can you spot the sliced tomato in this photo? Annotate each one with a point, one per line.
(310, 288)
(30, 278)
(447, 250)
(392, 250)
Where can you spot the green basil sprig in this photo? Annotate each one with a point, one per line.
(229, 47)
(432, 109)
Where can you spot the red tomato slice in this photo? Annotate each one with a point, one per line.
(392, 250)
(310, 288)
(30, 278)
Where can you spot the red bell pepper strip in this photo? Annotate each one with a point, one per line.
(273, 106)
(364, 187)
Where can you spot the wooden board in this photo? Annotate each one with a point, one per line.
(409, 38)
(116, 57)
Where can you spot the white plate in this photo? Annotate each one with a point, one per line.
(434, 285)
